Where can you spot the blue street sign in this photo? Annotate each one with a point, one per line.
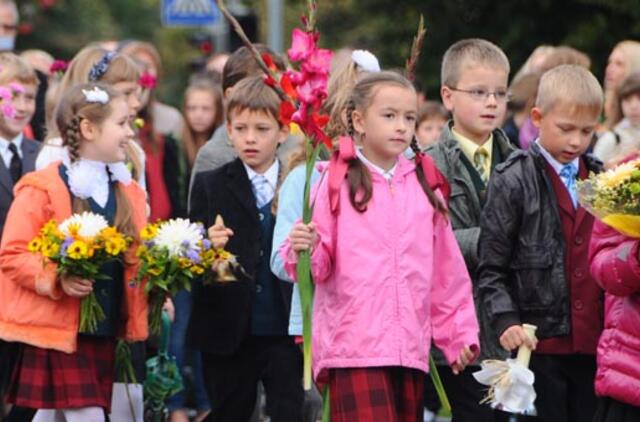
(189, 12)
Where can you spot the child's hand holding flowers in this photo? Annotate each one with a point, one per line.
(75, 286)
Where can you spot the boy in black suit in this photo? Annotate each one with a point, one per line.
(241, 326)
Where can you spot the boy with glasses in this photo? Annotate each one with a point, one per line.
(474, 81)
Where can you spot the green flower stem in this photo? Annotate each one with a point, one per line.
(305, 282)
(437, 382)
(91, 314)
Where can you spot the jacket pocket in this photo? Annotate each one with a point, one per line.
(532, 272)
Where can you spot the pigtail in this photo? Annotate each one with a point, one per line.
(72, 138)
(431, 195)
(358, 175)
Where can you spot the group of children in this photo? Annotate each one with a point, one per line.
(462, 241)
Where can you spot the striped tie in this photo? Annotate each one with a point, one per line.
(262, 190)
(479, 163)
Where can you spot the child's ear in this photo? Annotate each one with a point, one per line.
(445, 94)
(284, 133)
(536, 116)
(88, 130)
(358, 122)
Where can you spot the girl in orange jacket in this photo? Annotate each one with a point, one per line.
(58, 367)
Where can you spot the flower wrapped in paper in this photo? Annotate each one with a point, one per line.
(614, 197)
(173, 253)
(80, 246)
(511, 381)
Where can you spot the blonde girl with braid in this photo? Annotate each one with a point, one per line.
(67, 373)
(95, 64)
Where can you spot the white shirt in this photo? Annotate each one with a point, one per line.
(555, 164)
(271, 175)
(6, 153)
(387, 174)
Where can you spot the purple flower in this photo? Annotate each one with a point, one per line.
(193, 256)
(206, 244)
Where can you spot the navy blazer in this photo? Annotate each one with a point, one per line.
(221, 315)
(30, 149)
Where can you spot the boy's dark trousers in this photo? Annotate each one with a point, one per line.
(232, 380)
(564, 387)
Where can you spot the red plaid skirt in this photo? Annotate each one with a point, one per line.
(49, 379)
(389, 394)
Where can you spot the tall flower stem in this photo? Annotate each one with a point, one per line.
(305, 281)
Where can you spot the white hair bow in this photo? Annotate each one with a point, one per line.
(96, 95)
(366, 60)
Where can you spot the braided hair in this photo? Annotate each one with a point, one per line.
(74, 107)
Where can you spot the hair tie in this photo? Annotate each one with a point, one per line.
(100, 68)
(432, 175)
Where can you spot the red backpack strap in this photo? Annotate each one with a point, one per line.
(434, 178)
(338, 167)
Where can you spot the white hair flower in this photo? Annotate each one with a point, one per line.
(96, 95)
(366, 60)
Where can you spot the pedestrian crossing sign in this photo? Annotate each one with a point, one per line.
(189, 12)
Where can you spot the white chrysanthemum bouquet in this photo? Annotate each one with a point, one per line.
(80, 246)
(173, 253)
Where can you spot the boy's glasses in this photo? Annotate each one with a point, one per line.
(483, 94)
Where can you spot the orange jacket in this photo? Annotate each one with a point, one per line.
(33, 307)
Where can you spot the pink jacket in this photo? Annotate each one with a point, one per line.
(615, 266)
(387, 280)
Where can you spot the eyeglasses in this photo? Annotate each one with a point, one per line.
(480, 94)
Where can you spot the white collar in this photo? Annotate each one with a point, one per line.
(387, 174)
(89, 179)
(271, 174)
(555, 164)
(4, 143)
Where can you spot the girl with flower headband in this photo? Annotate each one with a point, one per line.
(95, 64)
(388, 273)
(60, 369)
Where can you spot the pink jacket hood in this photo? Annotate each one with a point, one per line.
(387, 280)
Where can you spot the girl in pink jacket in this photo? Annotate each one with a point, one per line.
(389, 275)
(615, 264)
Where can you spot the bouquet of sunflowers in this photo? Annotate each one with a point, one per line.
(172, 254)
(614, 197)
(79, 246)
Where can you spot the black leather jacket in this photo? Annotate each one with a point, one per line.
(521, 270)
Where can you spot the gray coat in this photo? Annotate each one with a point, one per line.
(465, 208)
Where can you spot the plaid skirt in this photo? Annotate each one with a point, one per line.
(50, 379)
(389, 394)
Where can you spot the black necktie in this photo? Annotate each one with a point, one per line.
(15, 167)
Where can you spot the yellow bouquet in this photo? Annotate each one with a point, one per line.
(173, 253)
(614, 197)
(79, 246)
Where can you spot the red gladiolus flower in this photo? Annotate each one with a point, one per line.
(287, 86)
(268, 60)
(268, 79)
(286, 112)
(302, 45)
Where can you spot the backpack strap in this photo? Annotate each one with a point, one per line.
(339, 165)
(433, 176)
